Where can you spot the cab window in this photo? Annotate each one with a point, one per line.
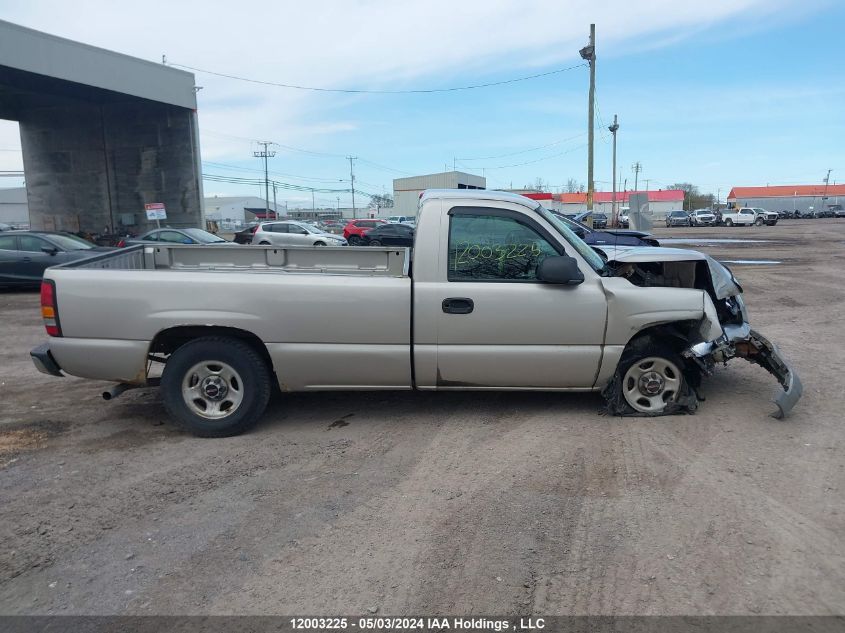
(7, 243)
(494, 248)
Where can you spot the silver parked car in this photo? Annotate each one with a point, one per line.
(291, 233)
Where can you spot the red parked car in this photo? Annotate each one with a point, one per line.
(354, 231)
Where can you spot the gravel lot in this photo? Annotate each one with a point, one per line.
(341, 503)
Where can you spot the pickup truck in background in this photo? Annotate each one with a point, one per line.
(502, 295)
(746, 216)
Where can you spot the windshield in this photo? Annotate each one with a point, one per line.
(70, 242)
(203, 237)
(584, 250)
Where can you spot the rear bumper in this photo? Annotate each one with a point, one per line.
(44, 361)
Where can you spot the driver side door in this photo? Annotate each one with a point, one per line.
(34, 260)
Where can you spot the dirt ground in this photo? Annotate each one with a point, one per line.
(458, 503)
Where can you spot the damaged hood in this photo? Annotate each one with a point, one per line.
(724, 283)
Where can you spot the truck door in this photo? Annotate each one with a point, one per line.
(498, 325)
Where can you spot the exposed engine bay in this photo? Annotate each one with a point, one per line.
(675, 268)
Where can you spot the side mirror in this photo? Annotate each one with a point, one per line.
(50, 250)
(560, 269)
(580, 233)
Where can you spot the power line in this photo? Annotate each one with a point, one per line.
(525, 151)
(382, 92)
(531, 162)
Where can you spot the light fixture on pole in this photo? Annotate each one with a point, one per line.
(613, 129)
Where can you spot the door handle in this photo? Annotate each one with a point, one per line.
(26, 259)
(458, 305)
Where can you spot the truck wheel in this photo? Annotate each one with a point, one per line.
(215, 386)
(729, 222)
(759, 221)
(648, 380)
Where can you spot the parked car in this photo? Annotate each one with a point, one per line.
(494, 275)
(599, 221)
(783, 214)
(702, 217)
(838, 210)
(294, 233)
(804, 213)
(25, 255)
(174, 236)
(624, 219)
(827, 213)
(609, 237)
(244, 236)
(400, 218)
(5, 227)
(356, 228)
(390, 234)
(677, 218)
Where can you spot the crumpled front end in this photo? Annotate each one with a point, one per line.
(743, 342)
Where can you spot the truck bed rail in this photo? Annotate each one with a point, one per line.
(341, 260)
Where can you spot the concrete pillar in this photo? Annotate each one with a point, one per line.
(94, 165)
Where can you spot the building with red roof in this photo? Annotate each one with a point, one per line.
(660, 202)
(801, 200)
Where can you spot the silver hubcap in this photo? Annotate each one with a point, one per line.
(212, 389)
(650, 384)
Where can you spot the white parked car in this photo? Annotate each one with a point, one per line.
(401, 219)
(291, 233)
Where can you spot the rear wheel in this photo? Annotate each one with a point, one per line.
(354, 240)
(216, 386)
(263, 243)
(375, 242)
(729, 222)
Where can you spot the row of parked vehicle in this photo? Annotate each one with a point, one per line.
(743, 216)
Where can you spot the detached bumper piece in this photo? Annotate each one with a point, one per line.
(759, 350)
(44, 361)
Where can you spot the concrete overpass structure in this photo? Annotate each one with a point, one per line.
(102, 133)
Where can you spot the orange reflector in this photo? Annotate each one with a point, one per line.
(48, 312)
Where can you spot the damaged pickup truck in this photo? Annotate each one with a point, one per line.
(502, 295)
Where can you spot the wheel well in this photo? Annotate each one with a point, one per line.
(676, 335)
(168, 341)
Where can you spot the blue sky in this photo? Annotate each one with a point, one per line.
(724, 93)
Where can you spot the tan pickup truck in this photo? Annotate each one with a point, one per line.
(500, 295)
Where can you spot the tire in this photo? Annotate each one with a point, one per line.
(200, 371)
(264, 243)
(729, 222)
(759, 221)
(319, 243)
(374, 243)
(648, 381)
(354, 240)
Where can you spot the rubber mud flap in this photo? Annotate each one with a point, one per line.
(759, 350)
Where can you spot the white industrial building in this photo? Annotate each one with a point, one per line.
(233, 213)
(406, 191)
(14, 210)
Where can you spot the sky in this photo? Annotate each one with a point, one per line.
(719, 94)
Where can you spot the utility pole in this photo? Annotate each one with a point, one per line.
(589, 54)
(352, 180)
(636, 168)
(614, 212)
(265, 154)
(275, 208)
(313, 205)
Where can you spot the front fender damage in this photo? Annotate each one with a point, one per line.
(740, 341)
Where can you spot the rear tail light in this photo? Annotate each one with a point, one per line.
(121, 243)
(49, 308)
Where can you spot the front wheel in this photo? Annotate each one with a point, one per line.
(759, 222)
(319, 243)
(729, 222)
(649, 381)
(216, 386)
(354, 240)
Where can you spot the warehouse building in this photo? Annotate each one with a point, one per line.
(799, 199)
(406, 191)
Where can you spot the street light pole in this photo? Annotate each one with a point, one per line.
(614, 209)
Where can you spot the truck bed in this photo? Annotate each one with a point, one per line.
(340, 260)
